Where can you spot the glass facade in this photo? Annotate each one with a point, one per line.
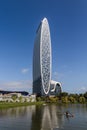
(42, 60)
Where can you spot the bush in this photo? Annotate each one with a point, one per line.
(53, 99)
(14, 97)
(72, 99)
(65, 99)
(82, 100)
(38, 99)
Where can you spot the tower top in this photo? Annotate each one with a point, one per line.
(44, 19)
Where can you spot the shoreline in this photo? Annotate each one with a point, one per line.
(5, 105)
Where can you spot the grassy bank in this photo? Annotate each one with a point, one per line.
(5, 105)
(11, 105)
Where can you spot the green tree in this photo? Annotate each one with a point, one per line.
(53, 99)
(65, 99)
(72, 99)
(82, 99)
(85, 95)
(20, 98)
(39, 99)
(63, 94)
(14, 97)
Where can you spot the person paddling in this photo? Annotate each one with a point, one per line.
(68, 114)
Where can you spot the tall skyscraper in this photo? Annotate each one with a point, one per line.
(42, 59)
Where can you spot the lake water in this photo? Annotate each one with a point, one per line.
(45, 117)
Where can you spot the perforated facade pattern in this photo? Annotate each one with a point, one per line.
(45, 56)
(42, 63)
(42, 59)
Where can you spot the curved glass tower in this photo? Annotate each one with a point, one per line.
(42, 60)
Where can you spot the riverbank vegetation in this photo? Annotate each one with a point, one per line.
(18, 104)
(65, 97)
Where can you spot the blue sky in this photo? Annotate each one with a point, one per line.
(19, 20)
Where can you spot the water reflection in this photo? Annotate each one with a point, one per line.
(50, 119)
(16, 118)
(47, 118)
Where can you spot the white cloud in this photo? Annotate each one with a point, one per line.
(81, 90)
(14, 83)
(22, 85)
(24, 70)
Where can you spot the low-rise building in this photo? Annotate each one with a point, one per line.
(17, 97)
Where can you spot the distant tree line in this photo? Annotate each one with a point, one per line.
(73, 98)
(65, 97)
